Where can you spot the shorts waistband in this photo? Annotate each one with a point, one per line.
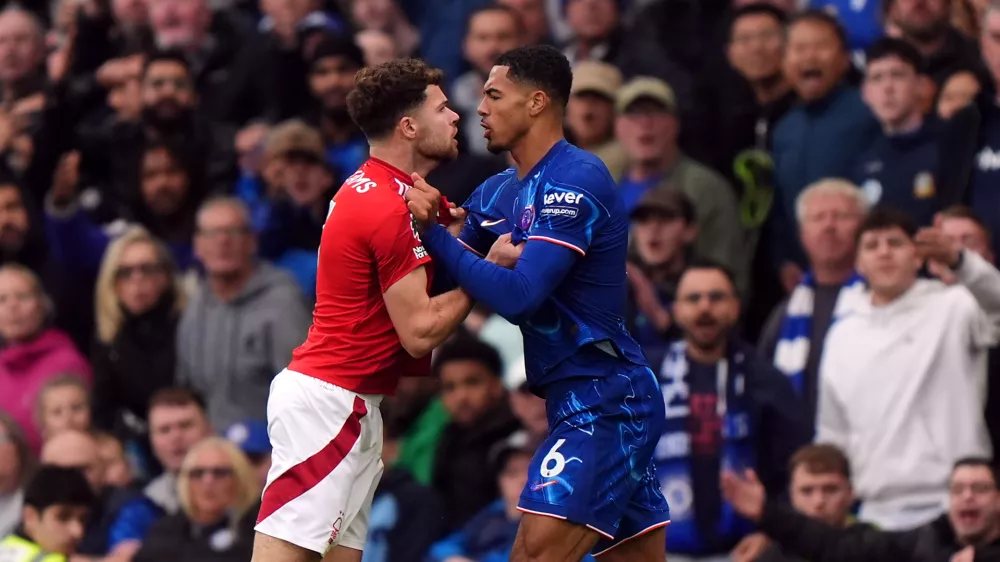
(371, 399)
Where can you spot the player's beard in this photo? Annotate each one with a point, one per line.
(438, 150)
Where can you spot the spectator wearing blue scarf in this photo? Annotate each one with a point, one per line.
(725, 410)
(829, 214)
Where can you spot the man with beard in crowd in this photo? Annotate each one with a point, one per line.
(335, 61)
(163, 204)
(712, 380)
(169, 114)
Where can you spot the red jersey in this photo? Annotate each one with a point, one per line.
(369, 243)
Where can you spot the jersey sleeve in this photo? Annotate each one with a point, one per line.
(571, 207)
(397, 248)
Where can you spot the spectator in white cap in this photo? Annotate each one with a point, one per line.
(648, 125)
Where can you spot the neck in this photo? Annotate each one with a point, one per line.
(225, 287)
(642, 171)
(667, 270)
(767, 90)
(832, 273)
(989, 538)
(206, 519)
(906, 124)
(707, 355)
(885, 296)
(534, 146)
(928, 47)
(402, 157)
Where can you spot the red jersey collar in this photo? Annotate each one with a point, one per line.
(392, 170)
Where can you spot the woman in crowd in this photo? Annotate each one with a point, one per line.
(33, 352)
(218, 495)
(138, 300)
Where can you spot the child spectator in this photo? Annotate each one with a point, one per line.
(63, 403)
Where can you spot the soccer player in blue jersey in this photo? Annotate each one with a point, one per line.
(591, 486)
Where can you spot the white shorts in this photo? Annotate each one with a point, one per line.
(325, 465)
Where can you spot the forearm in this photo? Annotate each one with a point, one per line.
(513, 294)
(444, 313)
(982, 279)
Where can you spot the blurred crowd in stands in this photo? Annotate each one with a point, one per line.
(813, 188)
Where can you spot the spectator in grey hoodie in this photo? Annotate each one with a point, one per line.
(242, 322)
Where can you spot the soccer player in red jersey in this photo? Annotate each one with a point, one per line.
(373, 323)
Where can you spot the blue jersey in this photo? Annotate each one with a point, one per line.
(568, 199)
(567, 293)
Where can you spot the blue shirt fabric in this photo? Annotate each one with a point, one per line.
(862, 20)
(984, 183)
(632, 191)
(822, 139)
(903, 171)
(568, 289)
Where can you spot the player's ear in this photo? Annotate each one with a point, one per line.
(408, 127)
(537, 103)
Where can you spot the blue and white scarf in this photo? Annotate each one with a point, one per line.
(792, 351)
(673, 454)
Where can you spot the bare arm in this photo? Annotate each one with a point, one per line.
(422, 322)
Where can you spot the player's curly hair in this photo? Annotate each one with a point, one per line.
(383, 94)
(541, 66)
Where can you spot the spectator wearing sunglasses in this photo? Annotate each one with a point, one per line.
(137, 307)
(724, 408)
(218, 492)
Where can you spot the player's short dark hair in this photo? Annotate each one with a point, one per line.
(984, 462)
(887, 218)
(965, 212)
(468, 348)
(759, 9)
(888, 47)
(540, 66)
(57, 485)
(821, 458)
(167, 55)
(383, 94)
(495, 7)
(700, 263)
(822, 17)
(178, 397)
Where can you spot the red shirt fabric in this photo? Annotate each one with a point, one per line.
(369, 243)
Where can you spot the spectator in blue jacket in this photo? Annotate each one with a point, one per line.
(821, 138)
(916, 165)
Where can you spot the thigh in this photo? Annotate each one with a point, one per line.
(342, 554)
(270, 549)
(323, 438)
(548, 539)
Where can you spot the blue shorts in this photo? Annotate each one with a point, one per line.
(596, 466)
